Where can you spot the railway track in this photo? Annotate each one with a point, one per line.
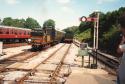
(14, 45)
(16, 58)
(8, 60)
(49, 69)
(58, 68)
(26, 74)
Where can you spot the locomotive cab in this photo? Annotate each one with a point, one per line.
(36, 37)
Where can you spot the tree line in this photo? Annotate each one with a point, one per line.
(29, 23)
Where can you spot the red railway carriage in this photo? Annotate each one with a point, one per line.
(14, 34)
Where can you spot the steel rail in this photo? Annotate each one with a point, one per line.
(20, 81)
(58, 68)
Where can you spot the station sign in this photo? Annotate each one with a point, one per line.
(87, 19)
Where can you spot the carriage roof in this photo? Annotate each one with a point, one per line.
(11, 27)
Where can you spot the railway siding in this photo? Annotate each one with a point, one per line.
(31, 63)
(27, 68)
(11, 52)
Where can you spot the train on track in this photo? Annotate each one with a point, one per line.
(40, 37)
(46, 36)
(10, 34)
(68, 37)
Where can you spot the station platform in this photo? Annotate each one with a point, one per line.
(82, 75)
(87, 76)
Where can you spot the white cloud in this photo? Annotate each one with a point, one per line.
(63, 1)
(104, 1)
(11, 2)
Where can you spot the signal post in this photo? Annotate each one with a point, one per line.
(96, 34)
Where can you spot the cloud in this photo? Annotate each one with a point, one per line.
(12, 2)
(63, 1)
(104, 1)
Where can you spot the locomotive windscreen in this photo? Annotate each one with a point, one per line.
(37, 33)
(69, 36)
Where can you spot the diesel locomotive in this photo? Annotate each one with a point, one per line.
(46, 36)
(68, 37)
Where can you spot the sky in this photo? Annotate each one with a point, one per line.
(65, 13)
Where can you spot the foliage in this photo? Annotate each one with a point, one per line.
(108, 30)
(84, 35)
(7, 21)
(18, 23)
(28, 23)
(108, 35)
(84, 26)
(31, 23)
(71, 29)
(49, 23)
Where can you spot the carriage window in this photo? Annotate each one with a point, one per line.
(12, 31)
(28, 33)
(1, 32)
(16, 33)
(20, 33)
(7, 32)
(25, 33)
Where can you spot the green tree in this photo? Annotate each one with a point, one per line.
(31, 23)
(0, 21)
(8, 21)
(72, 29)
(49, 23)
(18, 23)
(22, 23)
(108, 29)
